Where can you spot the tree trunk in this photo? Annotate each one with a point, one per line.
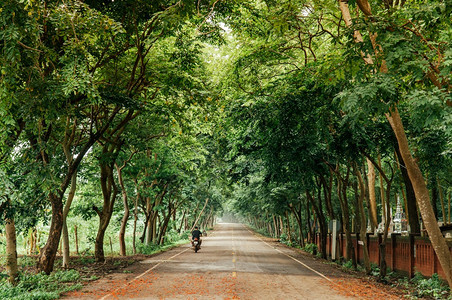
(76, 239)
(47, 255)
(150, 228)
(382, 246)
(413, 219)
(297, 214)
(289, 234)
(327, 195)
(174, 221)
(104, 220)
(48, 252)
(109, 193)
(164, 226)
(372, 197)
(435, 197)
(11, 250)
(362, 229)
(441, 199)
(150, 221)
(275, 227)
(281, 226)
(66, 249)
(382, 191)
(448, 209)
(422, 196)
(182, 222)
(302, 239)
(322, 223)
(308, 221)
(200, 214)
(125, 217)
(342, 192)
(33, 246)
(154, 225)
(146, 222)
(135, 220)
(65, 246)
(322, 220)
(386, 216)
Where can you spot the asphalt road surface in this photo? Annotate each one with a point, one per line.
(233, 263)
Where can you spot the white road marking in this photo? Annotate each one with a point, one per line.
(318, 273)
(153, 261)
(301, 263)
(144, 273)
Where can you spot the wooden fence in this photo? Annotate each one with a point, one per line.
(404, 254)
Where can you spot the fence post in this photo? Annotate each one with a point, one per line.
(368, 244)
(393, 249)
(433, 254)
(334, 241)
(342, 245)
(358, 238)
(378, 246)
(411, 256)
(331, 242)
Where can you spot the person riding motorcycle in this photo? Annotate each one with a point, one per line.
(196, 234)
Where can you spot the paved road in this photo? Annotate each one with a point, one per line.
(232, 264)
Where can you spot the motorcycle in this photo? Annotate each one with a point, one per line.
(196, 245)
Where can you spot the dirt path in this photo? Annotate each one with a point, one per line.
(232, 264)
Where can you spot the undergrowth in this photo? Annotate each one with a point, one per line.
(311, 248)
(154, 248)
(433, 287)
(40, 286)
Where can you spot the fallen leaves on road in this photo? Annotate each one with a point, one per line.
(354, 287)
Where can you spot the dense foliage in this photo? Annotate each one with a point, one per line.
(289, 114)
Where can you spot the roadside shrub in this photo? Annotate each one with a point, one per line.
(184, 235)
(374, 270)
(430, 287)
(284, 238)
(40, 286)
(348, 264)
(311, 248)
(147, 249)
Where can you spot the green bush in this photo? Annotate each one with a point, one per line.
(374, 270)
(184, 235)
(40, 286)
(348, 264)
(430, 287)
(285, 239)
(147, 249)
(174, 240)
(311, 248)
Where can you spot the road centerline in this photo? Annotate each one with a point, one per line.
(234, 255)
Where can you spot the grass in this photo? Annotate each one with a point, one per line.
(40, 286)
(46, 287)
(153, 248)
